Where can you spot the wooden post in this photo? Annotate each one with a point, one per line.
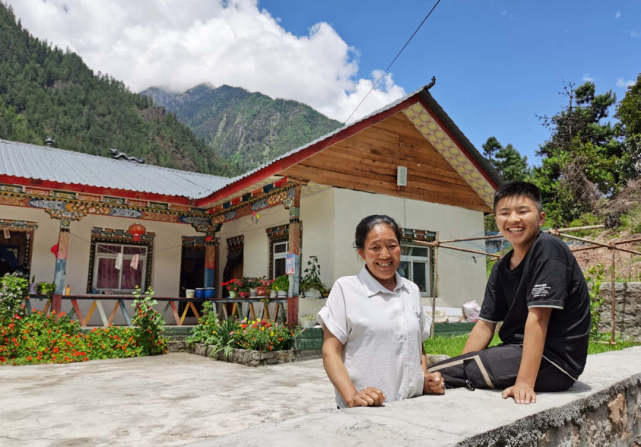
(210, 260)
(294, 248)
(434, 291)
(613, 296)
(61, 257)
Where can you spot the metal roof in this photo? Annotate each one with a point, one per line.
(63, 166)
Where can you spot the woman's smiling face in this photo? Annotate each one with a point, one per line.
(381, 253)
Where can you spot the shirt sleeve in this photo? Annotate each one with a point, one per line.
(548, 287)
(333, 315)
(425, 324)
(491, 309)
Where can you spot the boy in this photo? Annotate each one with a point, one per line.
(538, 291)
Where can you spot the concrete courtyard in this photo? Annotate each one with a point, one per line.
(173, 399)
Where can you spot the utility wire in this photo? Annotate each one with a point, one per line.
(427, 16)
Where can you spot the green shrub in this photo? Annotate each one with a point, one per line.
(148, 324)
(13, 290)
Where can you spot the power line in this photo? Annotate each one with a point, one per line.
(398, 54)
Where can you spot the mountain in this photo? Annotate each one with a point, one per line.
(245, 129)
(45, 91)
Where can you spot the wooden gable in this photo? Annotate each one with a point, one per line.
(368, 161)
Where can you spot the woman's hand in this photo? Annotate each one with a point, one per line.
(433, 383)
(367, 397)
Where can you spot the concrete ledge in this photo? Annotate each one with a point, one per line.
(604, 408)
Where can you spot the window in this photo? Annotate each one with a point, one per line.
(119, 267)
(279, 255)
(416, 265)
(278, 249)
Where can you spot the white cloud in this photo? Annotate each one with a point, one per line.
(635, 34)
(617, 15)
(181, 43)
(588, 78)
(623, 83)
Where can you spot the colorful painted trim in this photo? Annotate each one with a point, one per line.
(17, 225)
(410, 234)
(455, 156)
(235, 243)
(279, 232)
(72, 206)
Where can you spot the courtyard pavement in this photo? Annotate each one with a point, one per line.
(166, 400)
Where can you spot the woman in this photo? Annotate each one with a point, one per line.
(374, 327)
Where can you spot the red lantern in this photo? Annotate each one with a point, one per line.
(136, 230)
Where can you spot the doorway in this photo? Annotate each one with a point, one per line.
(192, 269)
(15, 251)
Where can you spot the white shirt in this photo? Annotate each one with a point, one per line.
(382, 332)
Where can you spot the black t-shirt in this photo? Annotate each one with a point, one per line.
(548, 276)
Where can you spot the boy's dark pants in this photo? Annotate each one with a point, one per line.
(497, 367)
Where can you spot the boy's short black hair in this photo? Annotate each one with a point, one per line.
(512, 189)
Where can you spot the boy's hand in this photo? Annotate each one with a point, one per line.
(521, 392)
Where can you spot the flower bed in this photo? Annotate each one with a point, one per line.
(249, 342)
(55, 338)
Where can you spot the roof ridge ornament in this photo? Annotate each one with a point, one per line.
(117, 154)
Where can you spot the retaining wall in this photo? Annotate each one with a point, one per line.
(627, 309)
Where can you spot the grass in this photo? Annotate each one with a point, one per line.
(453, 346)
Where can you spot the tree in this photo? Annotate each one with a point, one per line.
(629, 113)
(506, 160)
(580, 158)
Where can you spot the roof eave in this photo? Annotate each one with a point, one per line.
(481, 163)
(98, 190)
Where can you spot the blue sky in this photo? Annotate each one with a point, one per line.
(498, 63)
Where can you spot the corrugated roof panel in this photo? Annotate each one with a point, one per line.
(58, 165)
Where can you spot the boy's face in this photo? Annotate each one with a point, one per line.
(519, 220)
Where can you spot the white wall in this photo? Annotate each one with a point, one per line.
(317, 216)
(459, 277)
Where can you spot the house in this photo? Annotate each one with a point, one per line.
(104, 225)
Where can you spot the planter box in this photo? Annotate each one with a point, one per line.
(255, 358)
(245, 357)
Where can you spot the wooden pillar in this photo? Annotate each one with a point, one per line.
(294, 249)
(61, 257)
(210, 260)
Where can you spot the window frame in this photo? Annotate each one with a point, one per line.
(142, 264)
(428, 260)
(119, 237)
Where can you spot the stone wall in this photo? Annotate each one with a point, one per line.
(627, 307)
(609, 418)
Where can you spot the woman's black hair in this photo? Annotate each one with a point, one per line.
(367, 223)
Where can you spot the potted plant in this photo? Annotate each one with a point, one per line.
(311, 283)
(264, 285)
(281, 285)
(46, 288)
(251, 284)
(308, 321)
(233, 286)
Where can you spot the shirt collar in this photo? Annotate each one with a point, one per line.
(373, 286)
